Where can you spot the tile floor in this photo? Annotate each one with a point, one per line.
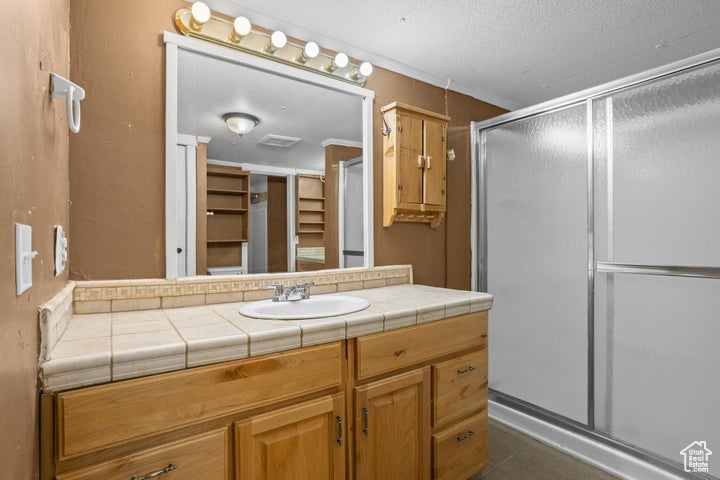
(515, 456)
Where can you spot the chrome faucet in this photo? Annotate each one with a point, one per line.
(291, 294)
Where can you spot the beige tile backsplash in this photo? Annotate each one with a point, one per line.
(106, 296)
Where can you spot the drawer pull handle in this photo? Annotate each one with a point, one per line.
(466, 370)
(399, 352)
(339, 423)
(469, 434)
(365, 421)
(167, 469)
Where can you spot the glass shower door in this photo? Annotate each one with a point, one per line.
(657, 239)
(536, 171)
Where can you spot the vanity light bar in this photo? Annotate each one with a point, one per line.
(198, 21)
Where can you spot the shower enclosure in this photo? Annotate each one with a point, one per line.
(597, 221)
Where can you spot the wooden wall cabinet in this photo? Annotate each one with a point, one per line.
(416, 396)
(414, 165)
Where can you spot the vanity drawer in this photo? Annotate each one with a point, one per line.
(461, 450)
(94, 418)
(388, 351)
(200, 456)
(459, 386)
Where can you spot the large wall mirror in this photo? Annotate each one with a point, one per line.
(268, 166)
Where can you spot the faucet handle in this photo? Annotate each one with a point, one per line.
(279, 289)
(303, 288)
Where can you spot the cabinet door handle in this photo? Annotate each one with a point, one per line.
(167, 469)
(461, 438)
(427, 162)
(365, 429)
(339, 424)
(421, 161)
(466, 370)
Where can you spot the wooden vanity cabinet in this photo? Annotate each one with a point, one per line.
(414, 165)
(420, 400)
(416, 398)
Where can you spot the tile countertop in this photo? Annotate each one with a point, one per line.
(105, 347)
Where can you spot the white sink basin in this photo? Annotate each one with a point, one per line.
(313, 307)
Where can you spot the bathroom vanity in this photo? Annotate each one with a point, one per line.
(405, 402)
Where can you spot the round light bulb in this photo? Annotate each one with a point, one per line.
(311, 50)
(366, 69)
(242, 26)
(200, 13)
(340, 61)
(278, 39)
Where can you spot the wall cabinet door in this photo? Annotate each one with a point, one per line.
(392, 427)
(409, 166)
(303, 441)
(434, 162)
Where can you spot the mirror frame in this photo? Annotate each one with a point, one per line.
(173, 43)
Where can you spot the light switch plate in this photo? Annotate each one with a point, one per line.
(24, 255)
(60, 250)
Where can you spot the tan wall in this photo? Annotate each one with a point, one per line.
(117, 169)
(33, 190)
(440, 256)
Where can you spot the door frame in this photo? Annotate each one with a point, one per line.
(342, 165)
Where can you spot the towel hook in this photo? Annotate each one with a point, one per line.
(72, 93)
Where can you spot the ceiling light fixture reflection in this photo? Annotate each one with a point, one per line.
(240, 123)
(340, 61)
(200, 14)
(277, 40)
(311, 50)
(241, 27)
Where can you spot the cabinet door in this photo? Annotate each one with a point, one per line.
(392, 427)
(434, 171)
(409, 168)
(302, 441)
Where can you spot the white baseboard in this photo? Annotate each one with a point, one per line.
(600, 455)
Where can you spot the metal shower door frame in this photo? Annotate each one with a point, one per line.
(479, 247)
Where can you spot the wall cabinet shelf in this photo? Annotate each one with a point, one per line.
(414, 165)
(310, 225)
(228, 219)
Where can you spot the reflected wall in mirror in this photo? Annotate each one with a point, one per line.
(287, 195)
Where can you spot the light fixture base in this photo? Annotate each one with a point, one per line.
(220, 31)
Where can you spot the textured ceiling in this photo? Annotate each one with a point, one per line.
(209, 88)
(512, 53)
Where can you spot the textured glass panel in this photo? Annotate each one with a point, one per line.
(657, 341)
(537, 257)
(657, 154)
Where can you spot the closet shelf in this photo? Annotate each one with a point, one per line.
(227, 210)
(311, 231)
(228, 240)
(227, 192)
